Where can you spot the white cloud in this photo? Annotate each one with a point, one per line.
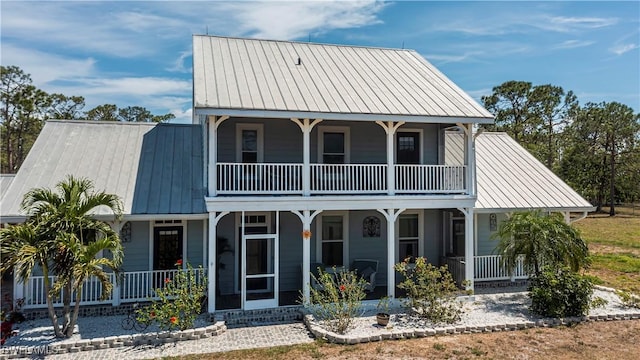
(45, 68)
(620, 49)
(572, 44)
(571, 23)
(179, 65)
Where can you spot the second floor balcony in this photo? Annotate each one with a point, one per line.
(267, 178)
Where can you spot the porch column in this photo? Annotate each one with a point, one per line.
(469, 259)
(214, 217)
(306, 128)
(391, 215)
(18, 289)
(115, 293)
(214, 122)
(390, 129)
(306, 216)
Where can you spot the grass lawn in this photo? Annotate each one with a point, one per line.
(615, 247)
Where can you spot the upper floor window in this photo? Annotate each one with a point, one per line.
(249, 141)
(333, 145)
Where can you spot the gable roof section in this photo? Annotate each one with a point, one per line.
(262, 78)
(510, 178)
(155, 169)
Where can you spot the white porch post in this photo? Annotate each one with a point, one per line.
(214, 217)
(306, 217)
(115, 292)
(18, 289)
(214, 122)
(306, 128)
(469, 259)
(390, 129)
(391, 215)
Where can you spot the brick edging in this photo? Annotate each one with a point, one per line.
(154, 338)
(394, 334)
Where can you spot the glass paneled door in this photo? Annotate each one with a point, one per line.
(259, 271)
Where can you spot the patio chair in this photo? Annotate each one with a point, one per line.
(367, 269)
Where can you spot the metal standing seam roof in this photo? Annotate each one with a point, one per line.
(510, 178)
(262, 77)
(5, 181)
(154, 168)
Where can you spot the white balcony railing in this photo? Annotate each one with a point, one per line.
(134, 286)
(430, 179)
(486, 268)
(348, 178)
(238, 178)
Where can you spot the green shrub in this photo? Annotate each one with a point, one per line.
(179, 301)
(338, 299)
(431, 291)
(559, 292)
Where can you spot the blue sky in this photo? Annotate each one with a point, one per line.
(139, 53)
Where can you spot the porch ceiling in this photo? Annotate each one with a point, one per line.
(357, 202)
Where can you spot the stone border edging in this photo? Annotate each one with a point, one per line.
(154, 338)
(332, 337)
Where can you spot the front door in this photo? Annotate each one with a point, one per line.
(408, 147)
(259, 271)
(167, 250)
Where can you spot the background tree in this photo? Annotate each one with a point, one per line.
(602, 153)
(540, 239)
(63, 239)
(533, 115)
(24, 109)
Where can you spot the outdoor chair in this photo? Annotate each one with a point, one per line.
(366, 269)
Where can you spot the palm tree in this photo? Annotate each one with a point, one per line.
(540, 239)
(68, 240)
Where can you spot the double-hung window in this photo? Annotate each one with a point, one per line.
(333, 145)
(408, 236)
(249, 143)
(333, 240)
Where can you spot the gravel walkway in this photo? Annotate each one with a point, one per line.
(480, 311)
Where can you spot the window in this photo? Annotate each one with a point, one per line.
(332, 241)
(249, 143)
(334, 145)
(408, 236)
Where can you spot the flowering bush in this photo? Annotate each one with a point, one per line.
(431, 291)
(338, 299)
(179, 300)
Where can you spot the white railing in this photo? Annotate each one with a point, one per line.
(239, 178)
(91, 293)
(348, 178)
(486, 268)
(134, 286)
(236, 178)
(430, 178)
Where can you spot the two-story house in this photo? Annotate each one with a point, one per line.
(300, 155)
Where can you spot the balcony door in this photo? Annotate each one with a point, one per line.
(408, 147)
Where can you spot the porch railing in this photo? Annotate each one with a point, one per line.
(486, 268)
(133, 286)
(430, 178)
(239, 178)
(348, 178)
(234, 178)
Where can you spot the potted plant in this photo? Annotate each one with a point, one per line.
(383, 311)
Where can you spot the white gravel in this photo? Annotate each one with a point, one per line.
(479, 311)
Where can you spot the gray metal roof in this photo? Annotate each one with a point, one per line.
(510, 178)
(262, 78)
(155, 169)
(5, 181)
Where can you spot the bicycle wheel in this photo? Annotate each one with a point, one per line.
(140, 326)
(128, 323)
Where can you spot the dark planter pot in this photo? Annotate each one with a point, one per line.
(383, 319)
